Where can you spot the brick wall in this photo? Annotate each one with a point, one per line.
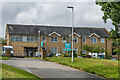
(18, 46)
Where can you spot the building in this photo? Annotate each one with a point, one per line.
(24, 38)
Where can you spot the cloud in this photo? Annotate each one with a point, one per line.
(85, 14)
(27, 16)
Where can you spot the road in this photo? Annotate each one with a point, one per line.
(47, 69)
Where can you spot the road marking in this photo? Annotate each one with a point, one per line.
(27, 69)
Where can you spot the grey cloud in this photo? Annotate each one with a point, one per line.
(86, 14)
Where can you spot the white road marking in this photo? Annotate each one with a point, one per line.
(27, 69)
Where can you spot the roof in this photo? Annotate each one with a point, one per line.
(46, 30)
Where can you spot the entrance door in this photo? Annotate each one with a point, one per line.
(30, 51)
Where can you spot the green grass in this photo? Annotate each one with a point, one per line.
(12, 72)
(34, 57)
(5, 58)
(100, 67)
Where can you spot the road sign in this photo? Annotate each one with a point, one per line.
(67, 46)
(41, 44)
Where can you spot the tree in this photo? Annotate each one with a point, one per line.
(111, 11)
(3, 41)
(93, 48)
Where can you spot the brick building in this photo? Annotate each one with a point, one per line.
(24, 38)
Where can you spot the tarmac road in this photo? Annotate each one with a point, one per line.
(50, 70)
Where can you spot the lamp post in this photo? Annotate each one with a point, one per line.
(72, 28)
(39, 44)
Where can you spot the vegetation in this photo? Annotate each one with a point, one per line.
(5, 58)
(4, 41)
(111, 11)
(104, 68)
(12, 72)
(34, 57)
(93, 48)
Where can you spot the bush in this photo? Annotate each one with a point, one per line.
(83, 55)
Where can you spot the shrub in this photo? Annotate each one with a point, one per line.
(84, 55)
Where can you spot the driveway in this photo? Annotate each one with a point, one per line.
(49, 69)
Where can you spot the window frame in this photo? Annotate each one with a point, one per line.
(93, 41)
(42, 39)
(82, 39)
(76, 38)
(65, 40)
(102, 40)
(53, 39)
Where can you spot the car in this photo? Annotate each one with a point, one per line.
(50, 54)
(58, 54)
(36, 54)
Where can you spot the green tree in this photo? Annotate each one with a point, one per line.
(93, 48)
(111, 11)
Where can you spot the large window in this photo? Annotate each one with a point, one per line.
(64, 39)
(93, 40)
(53, 50)
(23, 38)
(83, 39)
(16, 38)
(102, 40)
(75, 39)
(43, 39)
(53, 39)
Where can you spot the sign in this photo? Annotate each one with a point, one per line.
(41, 44)
(67, 46)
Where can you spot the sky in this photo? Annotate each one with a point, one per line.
(86, 14)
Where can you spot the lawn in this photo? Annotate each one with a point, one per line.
(9, 72)
(34, 57)
(5, 58)
(101, 67)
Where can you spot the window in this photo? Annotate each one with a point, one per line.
(102, 40)
(28, 38)
(36, 38)
(24, 38)
(20, 38)
(83, 52)
(43, 39)
(75, 49)
(63, 50)
(64, 39)
(83, 39)
(53, 39)
(12, 38)
(53, 50)
(93, 40)
(32, 38)
(75, 39)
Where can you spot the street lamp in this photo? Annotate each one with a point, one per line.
(72, 28)
(39, 44)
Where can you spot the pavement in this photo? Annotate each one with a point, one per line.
(50, 70)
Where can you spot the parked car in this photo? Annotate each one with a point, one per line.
(36, 54)
(58, 54)
(50, 54)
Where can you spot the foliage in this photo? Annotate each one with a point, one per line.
(84, 55)
(3, 41)
(101, 67)
(111, 11)
(5, 58)
(93, 48)
(12, 72)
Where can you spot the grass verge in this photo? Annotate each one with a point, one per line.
(10, 72)
(5, 58)
(101, 67)
(34, 57)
